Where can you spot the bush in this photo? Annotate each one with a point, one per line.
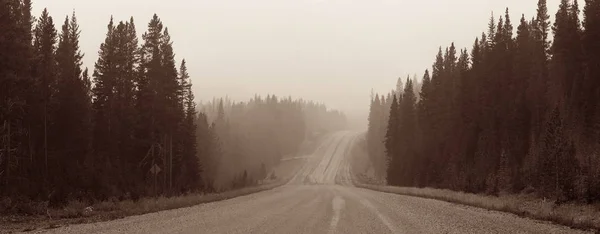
(31, 207)
(106, 206)
(5, 205)
(73, 209)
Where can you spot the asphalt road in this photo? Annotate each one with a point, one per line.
(321, 199)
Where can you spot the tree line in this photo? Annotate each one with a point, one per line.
(129, 128)
(256, 134)
(519, 113)
(377, 124)
(68, 134)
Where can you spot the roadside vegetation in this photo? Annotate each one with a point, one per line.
(573, 214)
(518, 112)
(76, 212)
(514, 119)
(75, 142)
(36, 215)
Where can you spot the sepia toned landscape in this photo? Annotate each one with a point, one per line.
(309, 116)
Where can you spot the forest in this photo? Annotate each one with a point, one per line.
(515, 114)
(255, 135)
(129, 127)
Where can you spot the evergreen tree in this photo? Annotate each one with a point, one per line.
(399, 87)
(590, 111)
(495, 105)
(127, 60)
(557, 164)
(45, 74)
(424, 118)
(406, 135)
(190, 167)
(374, 127)
(71, 136)
(391, 139)
(15, 95)
(542, 26)
(104, 101)
(566, 50)
(538, 84)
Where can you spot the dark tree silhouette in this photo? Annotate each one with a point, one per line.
(518, 114)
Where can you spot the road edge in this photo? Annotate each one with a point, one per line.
(545, 211)
(31, 224)
(567, 219)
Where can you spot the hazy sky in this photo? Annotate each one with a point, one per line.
(332, 51)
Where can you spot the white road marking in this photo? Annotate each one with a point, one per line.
(382, 217)
(338, 204)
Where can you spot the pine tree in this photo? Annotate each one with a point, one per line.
(543, 24)
(399, 86)
(406, 135)
(423, 120)
(373, 141)
(150, 104)
(539, 73)
(171, 109)
(521, 113)
(391, 139)
(495, 105)
(105, 116)
(45, 74)
(168, 86)
(190, 167)
(590, 110)
(127, 61)
(436, 107)
(15, 95)
(71, 136)
(207, 152)
(557, 166)
(491, 32)
(382, 117)
(566, 49)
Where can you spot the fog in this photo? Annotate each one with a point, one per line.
(333, 52)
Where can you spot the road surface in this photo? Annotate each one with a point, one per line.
(321, 199)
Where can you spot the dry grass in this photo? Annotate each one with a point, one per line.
(75, 211)
(575, 215)
(581, 216)
(149, 205)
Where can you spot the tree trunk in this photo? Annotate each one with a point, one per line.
(45, 145)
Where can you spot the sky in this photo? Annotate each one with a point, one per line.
(330, 51)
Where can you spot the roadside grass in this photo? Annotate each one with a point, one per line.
(75, 212)
(575, 215)
(149, 204)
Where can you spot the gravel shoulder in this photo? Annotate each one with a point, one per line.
(108, 211)
(316, 202)
(574, 215)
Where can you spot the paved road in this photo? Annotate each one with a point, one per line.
(321, 199)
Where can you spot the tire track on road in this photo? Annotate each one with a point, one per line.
(329, 172)
(337, 205)
(318, 173)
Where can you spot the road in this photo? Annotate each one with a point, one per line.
(321, 199)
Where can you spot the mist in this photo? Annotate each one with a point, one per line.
(334, 52)
(310, 116)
